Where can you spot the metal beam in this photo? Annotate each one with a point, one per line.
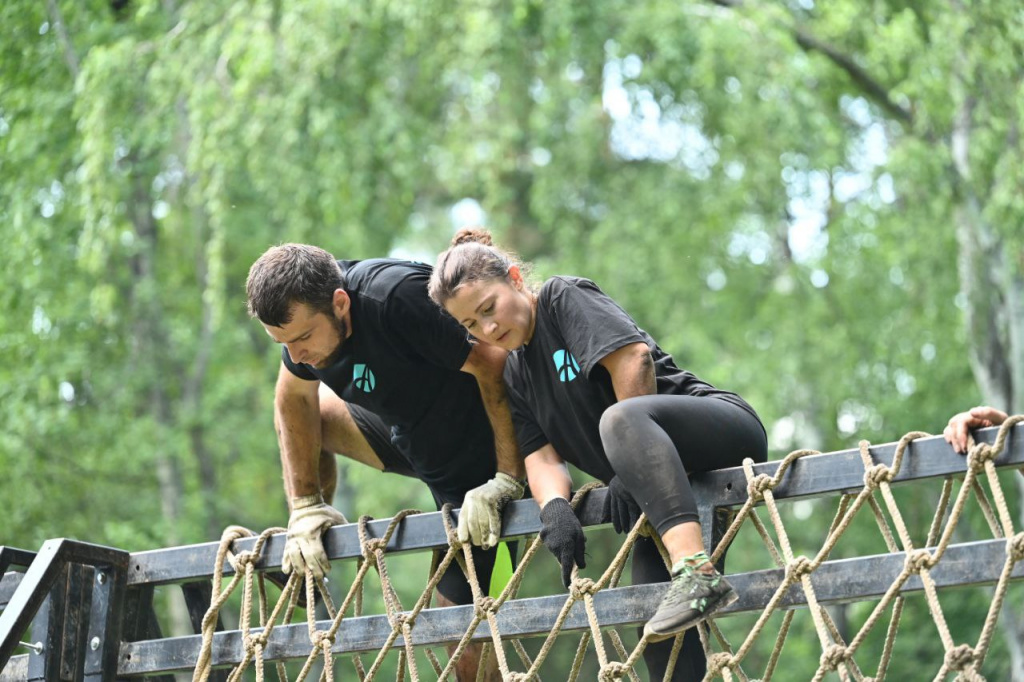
(974, 563)
(814, 475)
(47, 567)
(8, 585)
(12, 556)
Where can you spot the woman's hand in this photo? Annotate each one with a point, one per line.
(562, 533)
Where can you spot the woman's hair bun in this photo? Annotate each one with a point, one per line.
(471, 235)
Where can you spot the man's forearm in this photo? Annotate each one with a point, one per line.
(297, 421)
(506, 451)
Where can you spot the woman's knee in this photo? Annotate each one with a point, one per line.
(618, 427)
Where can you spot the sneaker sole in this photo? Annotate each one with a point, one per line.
(653, 636)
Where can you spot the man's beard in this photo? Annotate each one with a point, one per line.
(340, 326)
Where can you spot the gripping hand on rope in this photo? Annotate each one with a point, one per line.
(304, 546)
(480, 517)
(620, 506)
(957, 430)
(562, 533)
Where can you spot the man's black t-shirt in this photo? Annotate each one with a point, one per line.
(402, 362)
(558, 391)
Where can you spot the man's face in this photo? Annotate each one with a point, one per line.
(312, 338)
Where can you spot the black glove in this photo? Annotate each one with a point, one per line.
(563, 535)
(620, 506)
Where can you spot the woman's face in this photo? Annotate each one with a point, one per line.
(496, 311)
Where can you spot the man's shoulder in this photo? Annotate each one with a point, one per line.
(380, 278)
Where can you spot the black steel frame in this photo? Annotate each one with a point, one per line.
(91, 607)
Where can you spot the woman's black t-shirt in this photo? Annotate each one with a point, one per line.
(557, 388)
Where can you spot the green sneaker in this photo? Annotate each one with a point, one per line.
(693, 596)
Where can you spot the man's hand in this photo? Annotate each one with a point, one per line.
(562, 533)
(956, 430)
(304, 546)
(620, 506)
(480, 517)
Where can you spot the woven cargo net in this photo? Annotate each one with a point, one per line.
(724, 659)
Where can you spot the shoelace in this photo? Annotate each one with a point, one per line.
(683, 581)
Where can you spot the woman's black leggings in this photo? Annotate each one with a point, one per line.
(654, 441)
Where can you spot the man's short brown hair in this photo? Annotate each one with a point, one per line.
(288, 274)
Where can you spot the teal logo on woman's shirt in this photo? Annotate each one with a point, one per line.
(566, 365)
(363, 378)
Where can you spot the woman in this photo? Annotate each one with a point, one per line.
(589, 387)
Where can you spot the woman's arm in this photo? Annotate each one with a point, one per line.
(632, 370)
(548, 475)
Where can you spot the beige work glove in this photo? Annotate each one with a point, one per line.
(304, 546)
(480, 517)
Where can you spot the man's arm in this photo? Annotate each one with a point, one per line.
(480, 516)
(956, 431)
(632, 370)
(297, 422)
(487, 363)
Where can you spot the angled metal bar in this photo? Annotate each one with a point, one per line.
(974, 563)
(811, 476)
(26, 600)
(42, 574)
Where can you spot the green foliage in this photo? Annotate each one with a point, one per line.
(783, 223)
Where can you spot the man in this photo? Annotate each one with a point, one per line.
(409, 394)
(956, 431)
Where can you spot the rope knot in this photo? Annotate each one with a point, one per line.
(322, 639)
(254, 644)
(919, 560)
(483, 606)
(243, 559)
(798, 568)
(581, 587)
(612, 671)
(833, 656)
(1015, 547)
(403, 619)
(959, 657)
(758, 485)
(979, 454)
(718, 662)
(516, 676)
(371, 546)
(877, 475)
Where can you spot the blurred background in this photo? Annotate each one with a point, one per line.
(816, 205)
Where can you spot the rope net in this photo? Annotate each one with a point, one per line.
(724, 659)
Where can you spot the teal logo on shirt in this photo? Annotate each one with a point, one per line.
(566, 365)
(363, 378)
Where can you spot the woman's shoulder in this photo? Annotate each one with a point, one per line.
(556, 285)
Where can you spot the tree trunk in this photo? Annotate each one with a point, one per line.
(992, 291)
(149, 342)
